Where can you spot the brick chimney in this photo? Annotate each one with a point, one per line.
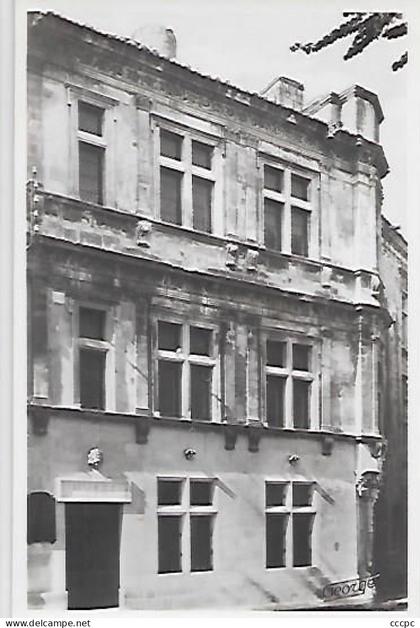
(157, 37)
(285, 91)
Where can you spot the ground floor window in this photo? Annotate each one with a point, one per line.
(186, 517)
(289, 518)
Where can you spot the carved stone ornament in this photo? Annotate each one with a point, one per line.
(333, 127)
(142, 432)
(367, 486)
(327, 444)
(143, 232)
(326, 277)
(231, 436)
(252, 257)
(232, 254)
(254, 436)
(376, 287)
(40, 419)
(95, 457)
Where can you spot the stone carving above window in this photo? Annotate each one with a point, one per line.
(143, 233)
(241, 257)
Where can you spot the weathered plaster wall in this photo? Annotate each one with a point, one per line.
(239, 576)
(131, 159)
(239, 343)
(391, 510)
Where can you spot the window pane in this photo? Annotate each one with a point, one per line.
(169, 492)
(200, 341)
(300, 228)
(275, 537)
(170, 145)
(169, 543)
(302, 494)
(275, 401)
(300, 187)
(92, 378)
(169, 336)
(41, 518)
(170, 388)
(301, 393)
(91, 323)
(273, 179)
(170, 195)
(302, 542)
(201, 377)
(272, 224)
(202, 194)
(276, 353)
(301, 357)
(201, 542)
(275, 494)
(90, 118)
(202, 155)
(91, 173)
(201, 493)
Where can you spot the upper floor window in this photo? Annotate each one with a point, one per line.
(91, 151)
(290, 383)
(186, 364)
(187, 181)
(93, 349)
(287, 210)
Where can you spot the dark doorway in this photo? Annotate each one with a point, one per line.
(92, 555)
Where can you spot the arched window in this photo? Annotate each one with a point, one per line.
(41, 518)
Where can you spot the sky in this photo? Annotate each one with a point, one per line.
(247, 42)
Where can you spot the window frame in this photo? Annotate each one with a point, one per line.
(98, 141)
(289, 202)
(185, 510)
(289, 510)
(288, 373)
(188, 170)
(106, 141)
(186, 359)
(106, 346)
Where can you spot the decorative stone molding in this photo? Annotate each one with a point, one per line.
(232, 254)
(87, 218)
(95, 457)
(231, 435)
(35, 200)
(189, 453)
(40, 419)
(326, 275)
(376, 287)
(143, 102)
(327, 445)
(333, 127)
(143, 232)
(252, 257)
(254, 437)
(92, 487)
(377, 449)
(367, 486)
(242, 257)
(142, 432)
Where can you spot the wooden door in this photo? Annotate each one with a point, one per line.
(92, 554)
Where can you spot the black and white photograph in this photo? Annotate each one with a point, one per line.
(216, 276)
